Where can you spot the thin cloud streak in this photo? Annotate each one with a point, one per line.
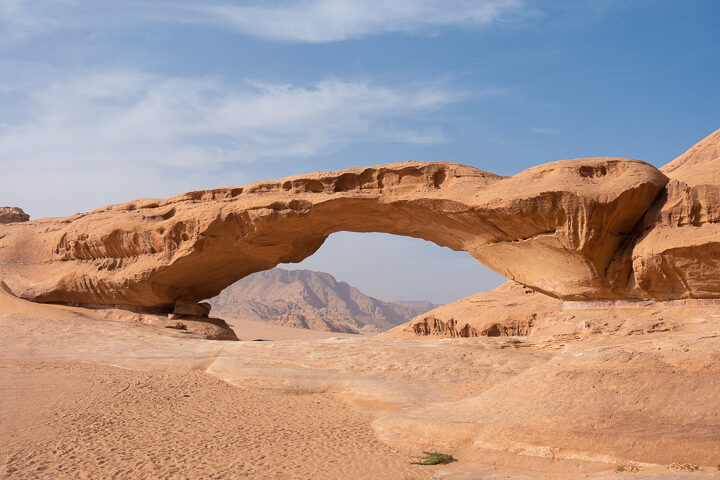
(544, 131)
(21, 19)
(100, 115)
(305, 21)
(318, 21)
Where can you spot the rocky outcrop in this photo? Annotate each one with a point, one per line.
(509, 310)
(179, 326)
(554, 227)
(678, 253)
(12, 215)
(311, 300)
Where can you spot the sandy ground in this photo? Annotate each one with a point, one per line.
(250, 330)
(63, 420)
(72, 420)
(82, 397)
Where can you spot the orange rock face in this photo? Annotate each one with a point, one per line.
(555, 227)
(678, 254)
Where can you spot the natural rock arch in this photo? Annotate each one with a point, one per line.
(559, 228)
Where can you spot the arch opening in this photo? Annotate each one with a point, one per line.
(355, 283)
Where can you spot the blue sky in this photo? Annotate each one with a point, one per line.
(106, 101)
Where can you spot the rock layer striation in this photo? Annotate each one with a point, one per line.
(673, 254)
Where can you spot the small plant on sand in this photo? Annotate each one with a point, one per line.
(620, 467)
(689, 467)
(434, 458)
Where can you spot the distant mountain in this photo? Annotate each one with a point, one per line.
(312, 300)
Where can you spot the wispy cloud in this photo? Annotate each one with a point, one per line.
(316, 21)
(20, 19)
(544, 131)
(152, 128)
(311, 21)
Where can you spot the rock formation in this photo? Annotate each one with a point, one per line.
(556, 227)
(169, 325)
(511, 309)
(12, 215)
(678, 254)
(674, 254)
(599, 228)
(307, 299)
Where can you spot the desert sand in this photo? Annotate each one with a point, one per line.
(91, 398)
(109, 422)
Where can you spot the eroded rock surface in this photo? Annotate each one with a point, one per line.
(180, 326)
(673, 254)
(554, 227)
(678, 255)
(511, 309)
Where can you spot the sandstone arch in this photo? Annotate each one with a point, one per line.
(557, 227)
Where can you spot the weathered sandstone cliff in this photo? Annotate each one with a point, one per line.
(678, 254)
(555, 227)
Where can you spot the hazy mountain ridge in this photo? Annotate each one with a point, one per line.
(312, 300)
(420, 305)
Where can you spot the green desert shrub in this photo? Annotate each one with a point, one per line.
(434, 458)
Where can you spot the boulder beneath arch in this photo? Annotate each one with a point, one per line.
(557, 228)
